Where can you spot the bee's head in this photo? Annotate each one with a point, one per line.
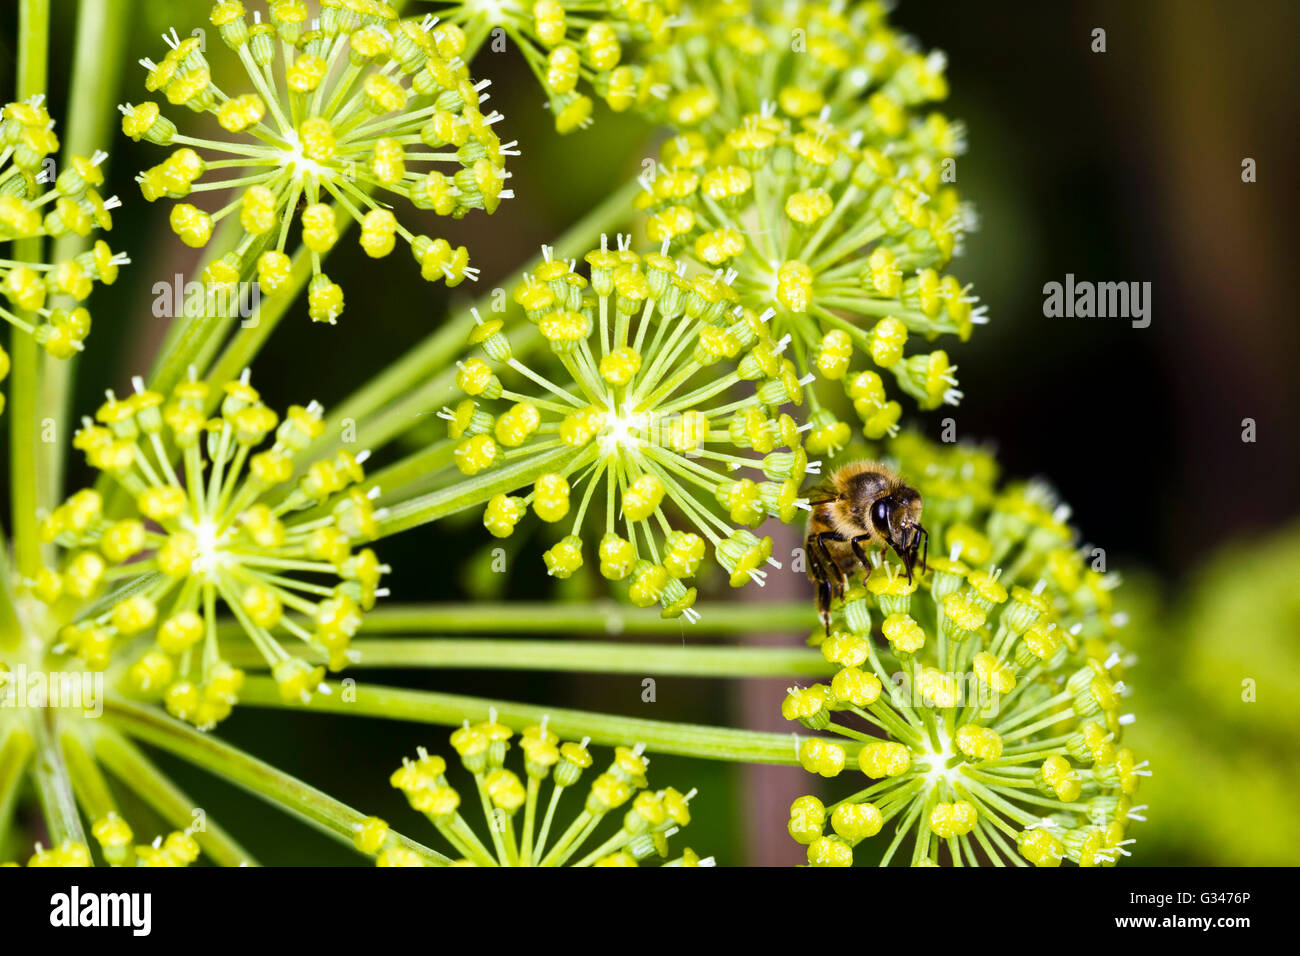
(897, 519)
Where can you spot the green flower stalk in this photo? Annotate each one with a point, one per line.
(357, 103)
(669, 391)
(522, 819)
(227, 527)
(575, 45)
(818, 185)
(984, 699)
(36, 204)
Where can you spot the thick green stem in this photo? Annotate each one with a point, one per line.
(395, 703)
(15, 751)
(88, 782)
(33, 51)
(96, 77)
(290, 794)
(227, 237)
(197, 334)
(199, 337)
(599, 657)
(585, 617)
(54, 788)
(23, 386)
(11, 629)
(413, 472)
(252, 335)
(33, 47)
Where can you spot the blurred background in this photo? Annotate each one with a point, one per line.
(1116, 166)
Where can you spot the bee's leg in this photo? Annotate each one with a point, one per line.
(841, 580)
(817, 571)
(856, 544)
(824, 604)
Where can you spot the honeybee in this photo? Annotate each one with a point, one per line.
(861, 504)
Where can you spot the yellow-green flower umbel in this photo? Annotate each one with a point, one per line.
(843, 243)
(227, 524)
(815, 180)
(575, 44)
(670, 399)
(353, 104)
(36, 202)
(982, 701)
(836, 61)
(522, 821)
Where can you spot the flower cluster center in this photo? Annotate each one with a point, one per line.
(210, 555)
(625, 431)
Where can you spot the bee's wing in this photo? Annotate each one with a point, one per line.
(822, 492)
